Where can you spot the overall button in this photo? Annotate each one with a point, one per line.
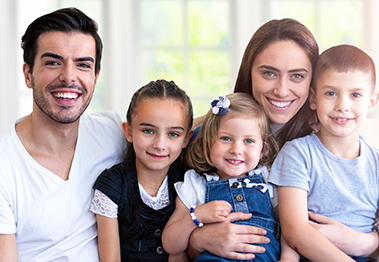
(239, 198)
(158, 232)
(235, 184)
(160, 250)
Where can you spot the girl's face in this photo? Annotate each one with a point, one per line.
(237, 147)
(158, 132)
(281, 76)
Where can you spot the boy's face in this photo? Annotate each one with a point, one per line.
(342, 101)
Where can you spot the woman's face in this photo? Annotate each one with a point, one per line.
(281, 76)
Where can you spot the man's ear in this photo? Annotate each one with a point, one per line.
(27, 75)
(187, 139)
(312, 99)
(127, 131)
(373, 102)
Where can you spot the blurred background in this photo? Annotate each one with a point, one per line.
(197, 43)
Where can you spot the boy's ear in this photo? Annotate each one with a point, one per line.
(373, 101)
(127, 131)
(312, 99)
(187, 139)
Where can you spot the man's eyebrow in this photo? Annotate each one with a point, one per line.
(84, 59)
(52, 55)
(80, 59)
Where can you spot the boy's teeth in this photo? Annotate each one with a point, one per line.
(280, 104)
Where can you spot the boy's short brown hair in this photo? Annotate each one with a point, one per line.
(344, 58)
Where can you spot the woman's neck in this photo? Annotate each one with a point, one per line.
(275, 127)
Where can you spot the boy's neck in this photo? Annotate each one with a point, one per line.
(345, 146)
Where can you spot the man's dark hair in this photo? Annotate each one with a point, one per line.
(63, 20)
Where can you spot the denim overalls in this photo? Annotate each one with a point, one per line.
(248, 195)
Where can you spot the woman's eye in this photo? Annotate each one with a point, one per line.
(297, 76)
(269, 74)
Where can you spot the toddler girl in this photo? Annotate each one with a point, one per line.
(228, 175)
(134, 199)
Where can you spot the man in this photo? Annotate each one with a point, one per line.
(50, 159)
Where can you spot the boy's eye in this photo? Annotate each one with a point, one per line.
(224, 138)
(356, 95)
(330, 93)
(148, 131)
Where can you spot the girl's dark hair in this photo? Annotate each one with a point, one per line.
(159, 89)
(272, 32)
(63, 20)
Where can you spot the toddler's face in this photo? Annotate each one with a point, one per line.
(237, 148)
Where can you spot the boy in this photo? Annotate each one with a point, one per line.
(332, 172)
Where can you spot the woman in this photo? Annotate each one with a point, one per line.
(277, 70)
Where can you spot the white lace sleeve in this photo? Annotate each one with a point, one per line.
(101, 204)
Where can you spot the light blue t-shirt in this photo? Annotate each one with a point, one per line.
(346, 190)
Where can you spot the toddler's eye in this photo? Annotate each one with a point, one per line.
(356, 95)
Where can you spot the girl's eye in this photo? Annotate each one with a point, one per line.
(148, 131)
(249, 141)
(224, 138)
(173, 134)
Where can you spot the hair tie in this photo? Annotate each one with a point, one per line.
(220, 106)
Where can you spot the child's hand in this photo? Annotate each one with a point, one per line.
(213, 212)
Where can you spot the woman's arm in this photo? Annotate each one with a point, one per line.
(179, 227)
(8, 248)
(228, 240)
(108, 238)
(297, 231)
(348, 240)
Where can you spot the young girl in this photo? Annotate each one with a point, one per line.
(228, 175)
(134, 199)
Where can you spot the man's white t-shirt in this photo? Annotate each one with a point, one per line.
(50, 216)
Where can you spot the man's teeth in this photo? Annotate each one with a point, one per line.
(280, 104)
(66, 95)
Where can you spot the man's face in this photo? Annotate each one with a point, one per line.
(63, 78)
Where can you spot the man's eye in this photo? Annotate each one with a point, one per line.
(84, 65)
(52, 63)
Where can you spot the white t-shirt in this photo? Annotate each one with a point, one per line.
(50, 216)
